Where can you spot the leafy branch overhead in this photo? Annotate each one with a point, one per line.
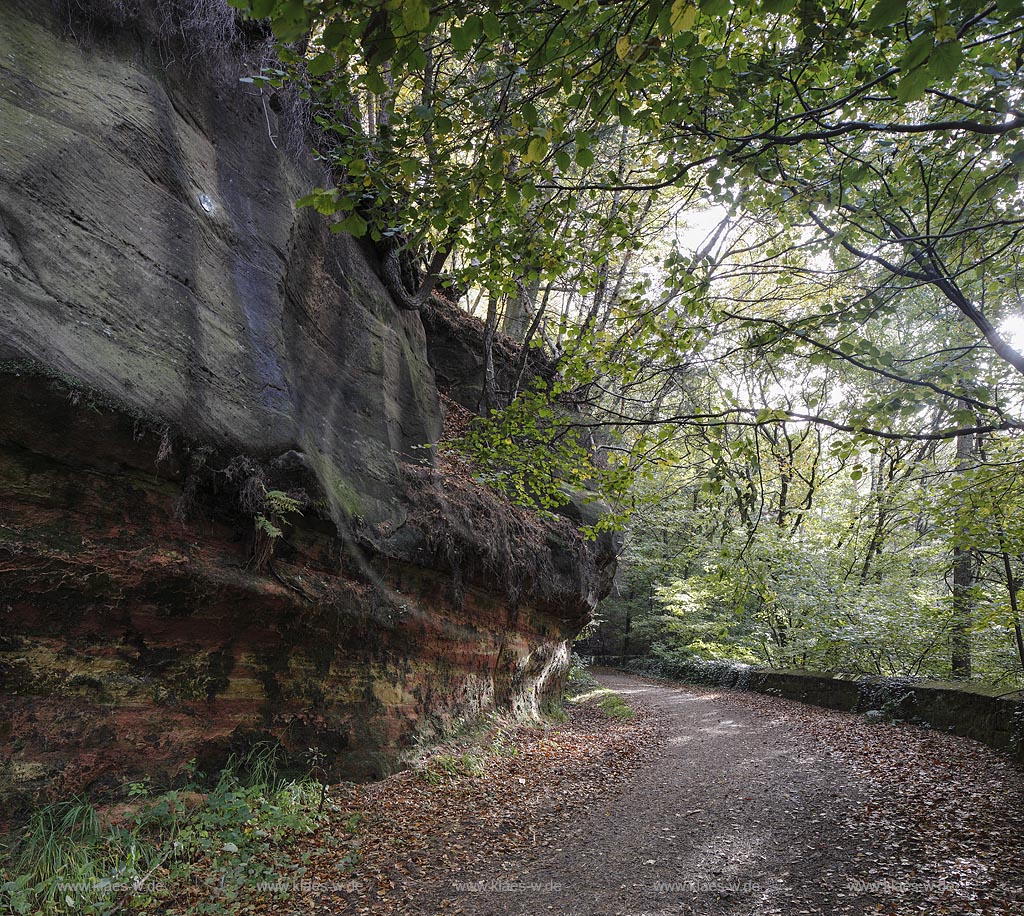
(485, 136)
(772, 249)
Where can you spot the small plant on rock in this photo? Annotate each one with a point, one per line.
(270, 523)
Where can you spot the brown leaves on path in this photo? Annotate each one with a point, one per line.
(945, 814)
(897, 819)
(424, 832)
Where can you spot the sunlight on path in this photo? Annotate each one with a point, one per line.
(750, 808)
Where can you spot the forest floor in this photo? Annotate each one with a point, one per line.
(707, 802)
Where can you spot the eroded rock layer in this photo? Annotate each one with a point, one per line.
(176, 342)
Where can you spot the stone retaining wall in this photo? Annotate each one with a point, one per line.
(974, 712)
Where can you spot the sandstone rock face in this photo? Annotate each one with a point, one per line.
(176, 339)
(150, 248)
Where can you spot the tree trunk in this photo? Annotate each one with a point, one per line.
(1012, 587)
(489, 395)
(519, 309)
(963, 584)
(625, 636)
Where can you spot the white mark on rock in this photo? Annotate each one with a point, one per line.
(206, 202)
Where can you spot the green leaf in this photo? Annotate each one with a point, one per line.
(721, 78)
(536, 150)
(417, 61)
(945, 60)
(778, 6)
(320, 64)
(375, 83)
(415, 15)
(462, 39)
(290, 20)
(913, 85)
(715, 7)
(917, 51)
(684, 15)
(353, 224)
(885, 13)
(492, 26)
(584, 157)
(261, 9)
(335, 33)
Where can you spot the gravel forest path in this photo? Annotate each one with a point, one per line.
(708, 802)
(755, 805)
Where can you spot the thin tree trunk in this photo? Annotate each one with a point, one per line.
(1012, 587)
(625, 636)
(963, 583)
(524, 353)
(519, 308)
(489, 395)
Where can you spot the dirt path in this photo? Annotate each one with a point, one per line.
(759, 806)
(708, 803)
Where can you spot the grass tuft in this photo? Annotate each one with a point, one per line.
(608, 701)
(441, 767)
(616, 707)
